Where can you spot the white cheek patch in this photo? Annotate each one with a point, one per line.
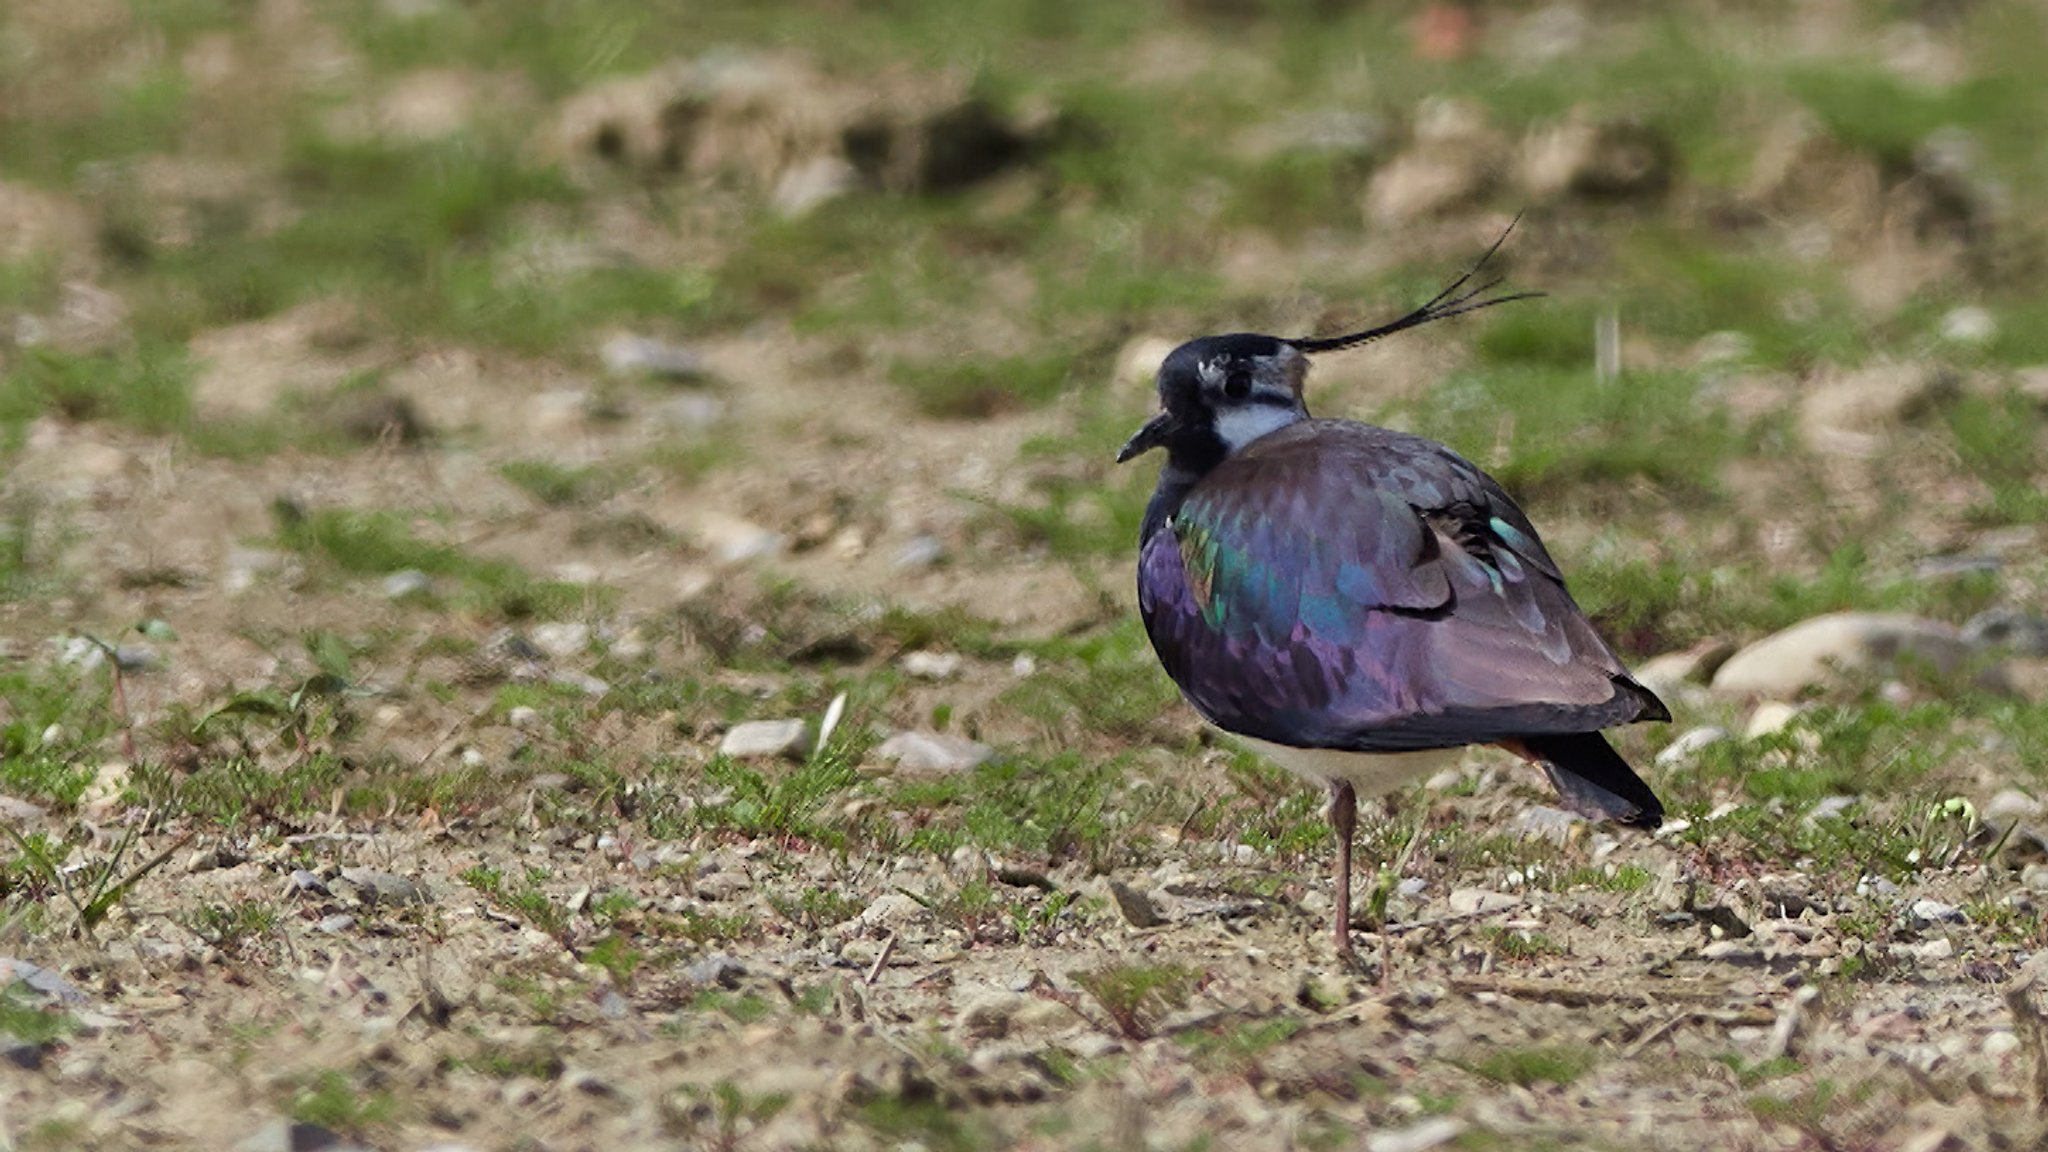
(1237, 427)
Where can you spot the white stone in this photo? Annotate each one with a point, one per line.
(766, 739)
(1929, 912)
(891, 910)
(1969, 324)
(932, 665)
(628, 355)
(1420, 1138)
(562, 639)
(1770, 718)
(1688, 744)
(1814, 652)
(933, 753)
(1473, 901)
(406, 582)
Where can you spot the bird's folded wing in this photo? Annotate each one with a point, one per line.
(1342, 586)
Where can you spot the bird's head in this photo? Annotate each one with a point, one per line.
(1218, 394)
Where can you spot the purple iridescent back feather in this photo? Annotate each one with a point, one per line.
(1337, 585)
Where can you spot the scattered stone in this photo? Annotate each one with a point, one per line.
(209, 858)
(1543, 822)
(1877, 886)
(1136, 907)
(2008, 807)
(2009, 629)
(1694, 665)
(48, 985)
(372, 887)
(336, 924)
(766, 740)
(1475, 901)
(282, 1135)
(583, 682)
(1689, 744)
(561, 640)
(1598, 159)
(1926, 951)
(244, 565)
(1969, 325)
(1813, 653)
(1927, 913)
(933, 753)
(735, 541)
(809, 184)
(1419, 1138)
(588, 1083)
(691, 412)
(715, 970)
(932, 665)
(1848, 414)
(524, 717)
(1770, 718)
(923, 551)
(628, 355)
(989, 1016)
(1733, 952)
(18, 811)
(1832, 807)
(406, 583)
(891, 910)
(2001, 1043)
(25, 1056)
(1091, 1045)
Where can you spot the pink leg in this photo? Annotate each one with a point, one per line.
(1344, 819)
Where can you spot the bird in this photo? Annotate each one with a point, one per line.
(1360, 604)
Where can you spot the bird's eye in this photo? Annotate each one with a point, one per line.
(1237, 384)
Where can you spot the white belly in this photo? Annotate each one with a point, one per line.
(1371, 773)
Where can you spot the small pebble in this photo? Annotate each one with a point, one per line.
(561, 640)
(1689, 744)
(921, 552)
(1136, 907)
(407, 582)
(766, 739)
(629, 355)
(1926, 913)
(1472, 901)
(932, 665)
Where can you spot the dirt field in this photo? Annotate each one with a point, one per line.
(562, 584)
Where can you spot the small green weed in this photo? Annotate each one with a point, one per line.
(232, 927)
(332, 1100)
(1137, 996)
(1541, 1064)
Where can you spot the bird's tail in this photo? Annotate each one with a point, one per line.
(1591, 777)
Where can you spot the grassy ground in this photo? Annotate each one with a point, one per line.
(367, 634)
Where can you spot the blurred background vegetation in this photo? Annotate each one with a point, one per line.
(488, 408)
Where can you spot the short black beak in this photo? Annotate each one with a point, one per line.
(1152, 435)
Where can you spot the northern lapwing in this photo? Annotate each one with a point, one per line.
(1359, 604)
